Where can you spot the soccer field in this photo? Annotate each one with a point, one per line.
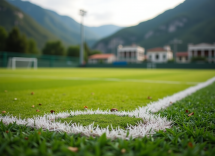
(72, 89)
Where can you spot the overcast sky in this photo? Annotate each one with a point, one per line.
(117, 12)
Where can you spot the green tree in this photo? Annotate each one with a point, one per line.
(73, 51)
(54, 48)
(16, 42)
(93, 52)
(3, 38)
(32, 47)
(199, 59)
(87, 49)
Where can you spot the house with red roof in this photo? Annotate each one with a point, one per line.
(159, 55)
(182, 57)
(101, 58)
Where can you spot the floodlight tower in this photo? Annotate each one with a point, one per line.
(175, 42)
(82, 13)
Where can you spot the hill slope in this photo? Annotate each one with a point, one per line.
(11, 16)
(192, 22)
(66, 28)
(67, 31)
(105, 30)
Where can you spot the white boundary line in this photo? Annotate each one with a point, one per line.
(152, 123)
(99, 79)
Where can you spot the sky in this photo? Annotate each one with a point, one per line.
(102, 12)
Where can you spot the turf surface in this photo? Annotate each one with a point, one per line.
(116, 121)
(72, 89)
(189, 136)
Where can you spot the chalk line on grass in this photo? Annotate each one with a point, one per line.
(151, 123)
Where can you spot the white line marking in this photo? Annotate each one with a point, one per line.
(152, 123)
(100, 79)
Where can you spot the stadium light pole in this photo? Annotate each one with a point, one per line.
(175, 42)
(82, 13)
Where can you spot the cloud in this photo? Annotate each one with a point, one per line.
(119, 12)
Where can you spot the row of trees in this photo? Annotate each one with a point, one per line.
(14, 41)
(57, 48)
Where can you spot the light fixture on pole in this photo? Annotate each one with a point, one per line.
(82, 13)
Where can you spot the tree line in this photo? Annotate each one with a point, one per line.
(16, 42)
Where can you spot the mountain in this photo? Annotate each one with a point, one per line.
(66, 28)
(105, 30)
(11, 16)
(193, 21)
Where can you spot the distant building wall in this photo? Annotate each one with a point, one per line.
(131, 54)
(159, 55)
(182, 57)
(202, 50)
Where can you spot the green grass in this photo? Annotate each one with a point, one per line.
(189, 136)
(55, 90)
(103, 120)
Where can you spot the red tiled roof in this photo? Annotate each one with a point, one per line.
(182, 54)
(156, 49)
(101, 56)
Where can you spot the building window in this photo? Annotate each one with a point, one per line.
(212, 53)
(199, 53)
(157, 57)
(150, 57)
(180, 58)
(135, 54)
(206, 53)
(129, 54)
(124, 54)
(164, 56)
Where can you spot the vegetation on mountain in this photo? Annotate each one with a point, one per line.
(192, 22)
(3, 38)
(105, 30)
(73, 51)
(13, 17)
(64, 27)
(32, 47)
(54, 48)
(16, 42)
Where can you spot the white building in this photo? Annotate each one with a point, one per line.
(159, 55)
(182, 57)
(101, 58)
(202, 50)
(130, 53)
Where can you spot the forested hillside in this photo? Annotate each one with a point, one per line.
(192, 22)
(11, 16)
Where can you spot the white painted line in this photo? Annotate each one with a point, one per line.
(100, 79)
(151, 124)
